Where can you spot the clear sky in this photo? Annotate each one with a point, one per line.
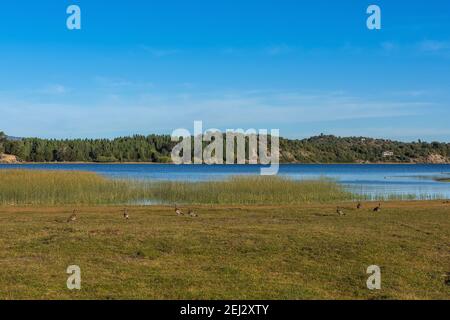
(305, 67)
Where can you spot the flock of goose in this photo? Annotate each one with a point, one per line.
(191, 213)
(341, 212)
(180, 212)
(126, 216)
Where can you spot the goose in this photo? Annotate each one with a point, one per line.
(359, 205)
(192, 213)
(178, 211)
(73, 217)
(378, 208)
(125, 214)
(340, 212)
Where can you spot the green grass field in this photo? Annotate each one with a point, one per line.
(254, 238)
(234, 252)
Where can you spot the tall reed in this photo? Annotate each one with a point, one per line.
(251, 190)
(29, 187)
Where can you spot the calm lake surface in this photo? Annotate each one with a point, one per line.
(374, 180)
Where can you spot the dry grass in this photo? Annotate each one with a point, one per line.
(233, 252)
(27, 187)
(50, 188)
(256, 190)
(33, 187)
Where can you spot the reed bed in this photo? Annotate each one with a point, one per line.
(29, 187)
(251, 191)
(49, 188)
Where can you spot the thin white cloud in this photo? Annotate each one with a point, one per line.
(188, 85)
(112, 82)
(53, 89)
(274, 50)
(389, 47)
(278, 50)
(147, 113)
(160, 52)
(117, 82)
(414, 93)
(434, 46)
(230, 51)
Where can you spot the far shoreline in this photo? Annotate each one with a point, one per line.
(171, 163)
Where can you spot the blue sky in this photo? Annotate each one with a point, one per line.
(305, 67)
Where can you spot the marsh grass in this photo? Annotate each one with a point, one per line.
(36, 187)
(27, 187)
(251, 191)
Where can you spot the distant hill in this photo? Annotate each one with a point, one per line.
(157, 148)
(332, 149)
(10, 138)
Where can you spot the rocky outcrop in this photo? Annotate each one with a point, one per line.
(436, 159)
(8, 159)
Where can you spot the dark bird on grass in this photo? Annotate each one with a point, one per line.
(359, 205)
(125, 213)
(192, 213)
(377, 208)
(73, 217)
(178, 211)
(340, 212)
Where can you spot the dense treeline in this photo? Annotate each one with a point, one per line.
(152, 148)
(2, 138)
(157, 148)
(331, 149)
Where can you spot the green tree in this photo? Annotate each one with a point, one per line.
(2, 141)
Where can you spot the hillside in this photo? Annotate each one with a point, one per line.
(332, 149)
(157, 148)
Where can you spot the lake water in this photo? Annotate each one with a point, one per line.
(373, 180)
